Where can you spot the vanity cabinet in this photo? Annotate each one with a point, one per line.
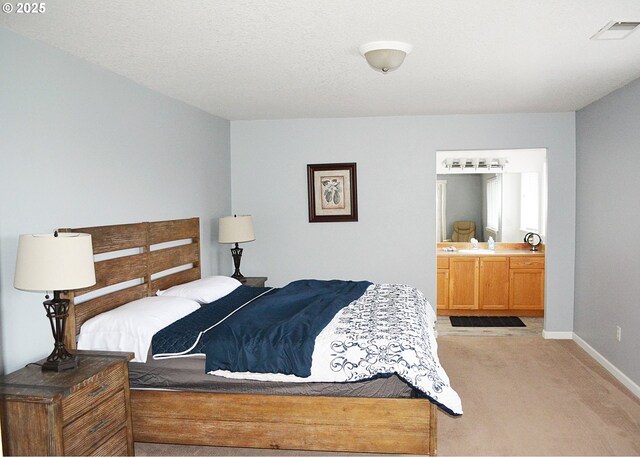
(526, 283)
(491, 285)
(463, 282)
(443, 283)
(494, 283)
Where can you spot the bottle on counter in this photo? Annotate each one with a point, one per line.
(492, 244)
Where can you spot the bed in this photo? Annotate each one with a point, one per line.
(151, 256)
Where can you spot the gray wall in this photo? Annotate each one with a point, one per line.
(464, 201)
(607, 239)
(394, 240)
(81, 146)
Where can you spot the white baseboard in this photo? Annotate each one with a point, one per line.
(611, 368)
(557, 335)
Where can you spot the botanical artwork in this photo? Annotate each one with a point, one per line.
(332, 192)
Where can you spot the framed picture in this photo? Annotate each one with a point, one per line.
(333, 193)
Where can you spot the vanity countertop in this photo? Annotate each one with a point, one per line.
(504, 249)
(484, 252)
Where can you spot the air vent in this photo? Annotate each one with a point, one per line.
(615, 30)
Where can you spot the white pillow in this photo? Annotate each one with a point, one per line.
(205, 290)
(130, 327)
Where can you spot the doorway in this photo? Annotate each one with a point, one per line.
(500, 197)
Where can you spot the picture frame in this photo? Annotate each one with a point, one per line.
(332, 192)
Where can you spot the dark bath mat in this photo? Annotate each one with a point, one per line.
(486, 321)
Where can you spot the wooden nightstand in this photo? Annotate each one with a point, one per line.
(83, 411)
(255, 281)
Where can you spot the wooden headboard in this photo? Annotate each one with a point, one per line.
(145, 255)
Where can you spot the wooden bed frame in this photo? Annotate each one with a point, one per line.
(147, 251)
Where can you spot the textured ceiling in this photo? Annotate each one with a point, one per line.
(299, 59)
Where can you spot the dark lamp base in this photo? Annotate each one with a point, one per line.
(236, 253)
(60, 359)
(60, 365)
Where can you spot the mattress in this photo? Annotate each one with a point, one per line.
(188, 374)
(314, 333)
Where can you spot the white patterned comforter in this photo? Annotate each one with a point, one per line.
(390, 329)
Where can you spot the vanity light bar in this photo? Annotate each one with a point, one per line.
(462, 164)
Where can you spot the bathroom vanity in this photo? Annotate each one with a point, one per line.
(508, 281)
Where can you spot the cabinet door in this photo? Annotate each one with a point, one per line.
(443, 288)
(494, 283)
(463, 283)
(526, 288)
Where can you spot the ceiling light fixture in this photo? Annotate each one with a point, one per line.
(385, 56)
(616, 30)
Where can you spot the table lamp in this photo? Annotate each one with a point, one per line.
(236, 229)
(56, 262)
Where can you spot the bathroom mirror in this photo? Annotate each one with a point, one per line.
(503, 192)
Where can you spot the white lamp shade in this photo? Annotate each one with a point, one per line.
(235, 229)
(49, 263)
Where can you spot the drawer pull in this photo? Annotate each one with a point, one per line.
(98, 391)
(99, 425)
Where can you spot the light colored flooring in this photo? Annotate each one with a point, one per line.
(534, 327)
(531, 396)
(522, 395)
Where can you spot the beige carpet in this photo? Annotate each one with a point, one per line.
(521, 396)
(530, 396)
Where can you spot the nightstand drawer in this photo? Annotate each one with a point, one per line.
(106, 418)
(116, 445)
(91, 392)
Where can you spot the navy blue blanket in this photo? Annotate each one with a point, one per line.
(187, 335)
(261, 330)
(276, 333)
